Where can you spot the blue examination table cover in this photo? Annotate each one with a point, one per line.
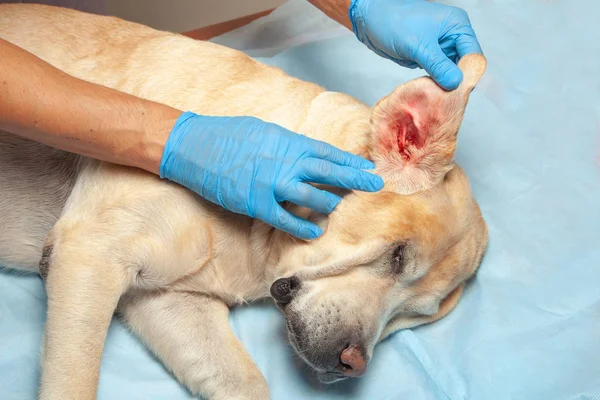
(528, 326)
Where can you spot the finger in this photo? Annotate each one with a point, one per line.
(308, 196)
(448, 45)
(467, 43)
(295, 226)
(340, 157)
(327, 173)
(440, 67)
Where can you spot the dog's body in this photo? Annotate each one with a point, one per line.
(115, 238)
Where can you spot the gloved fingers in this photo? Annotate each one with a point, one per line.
(448, 45)
(327, 173)
(331, 153)
(467, 43)
(287, 222)
(440, 67)
(309, 196)
(391, 54)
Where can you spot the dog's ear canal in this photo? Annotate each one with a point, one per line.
(415, 129)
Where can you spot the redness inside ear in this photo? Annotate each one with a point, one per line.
(406, 124)
(407, 134)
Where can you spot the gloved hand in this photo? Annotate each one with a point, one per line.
(247, 166)
(416, 33)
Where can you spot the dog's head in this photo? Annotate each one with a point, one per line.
(394, 259)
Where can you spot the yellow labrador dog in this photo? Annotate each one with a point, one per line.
(112, 239)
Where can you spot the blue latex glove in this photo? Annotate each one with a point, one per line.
(416, 33)
(248, 166)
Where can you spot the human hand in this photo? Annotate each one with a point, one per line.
(416, 33)
(248, 166)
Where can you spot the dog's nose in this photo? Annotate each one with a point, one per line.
(353, 361)
(283, 289)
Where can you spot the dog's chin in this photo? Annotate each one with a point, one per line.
(322, 353)
(325, 377)
(292, 337)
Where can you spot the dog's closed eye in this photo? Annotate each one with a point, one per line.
(398, 260)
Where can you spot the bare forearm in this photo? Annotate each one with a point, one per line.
(41, 103)
(335, 9)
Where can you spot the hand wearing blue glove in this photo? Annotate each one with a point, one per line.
(416, 33)
(248, 166)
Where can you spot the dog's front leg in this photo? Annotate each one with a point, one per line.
(191, 334)
(83, 292)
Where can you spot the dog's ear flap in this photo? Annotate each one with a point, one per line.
(446, 305)
(415, 129)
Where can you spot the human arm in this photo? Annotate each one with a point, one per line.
(413, 33)
(41, 103)
(337, 10)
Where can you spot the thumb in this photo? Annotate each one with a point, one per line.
(445, 72)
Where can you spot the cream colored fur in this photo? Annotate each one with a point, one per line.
(119, 239)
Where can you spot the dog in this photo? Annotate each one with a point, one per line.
(112, 239)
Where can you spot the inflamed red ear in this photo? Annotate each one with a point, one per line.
(415, 129)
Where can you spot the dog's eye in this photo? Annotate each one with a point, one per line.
(398, 259)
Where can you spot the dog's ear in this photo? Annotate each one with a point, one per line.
(446, 305)
(415, 129)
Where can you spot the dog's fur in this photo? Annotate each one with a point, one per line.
(112, 238)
